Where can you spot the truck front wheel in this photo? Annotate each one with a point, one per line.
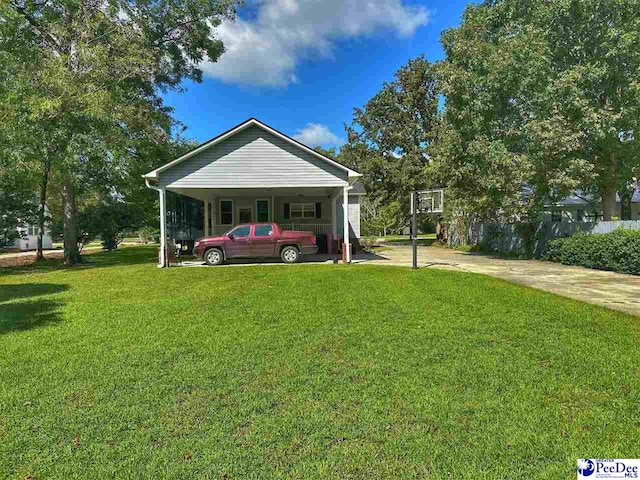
(213, 256)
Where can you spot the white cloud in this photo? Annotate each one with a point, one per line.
(316, 134)
(266, 50)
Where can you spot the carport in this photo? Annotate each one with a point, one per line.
(253, 173)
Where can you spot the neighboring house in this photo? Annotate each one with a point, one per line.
(28, 239)
(581, 207)
(254, 173)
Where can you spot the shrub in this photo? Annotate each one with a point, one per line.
(367, 243)
(148, 235)
(618, 251)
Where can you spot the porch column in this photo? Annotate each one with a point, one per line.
(206, 218)
(334, 216)
(163, 227)
(345, 222)
(214, 214)
(273, 209)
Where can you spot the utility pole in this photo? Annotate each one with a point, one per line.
(414, 228)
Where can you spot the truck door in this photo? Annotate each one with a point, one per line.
(263, 241)
(238, 244)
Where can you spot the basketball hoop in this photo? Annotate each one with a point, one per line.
(425, 201)
(430, 201)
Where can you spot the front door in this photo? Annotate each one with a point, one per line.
(240, 244)
(244, 215)
(262, 211)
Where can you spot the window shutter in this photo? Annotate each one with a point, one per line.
(286, 211)
(318, 210)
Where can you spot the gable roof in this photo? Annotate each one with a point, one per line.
(153, 175)
(358, 188)
(582, 198)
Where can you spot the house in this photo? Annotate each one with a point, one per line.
(254, 173)
(28, 239)
(582, 207)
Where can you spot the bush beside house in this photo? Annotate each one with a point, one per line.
(618, 251)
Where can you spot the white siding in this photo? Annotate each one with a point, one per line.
(252, 158)
(354, 215)
(30, 242)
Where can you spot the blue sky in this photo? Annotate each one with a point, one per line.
(301, 66)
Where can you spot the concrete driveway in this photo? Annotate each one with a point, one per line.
(609, 289)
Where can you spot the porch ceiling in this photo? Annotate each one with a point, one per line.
(210, 193)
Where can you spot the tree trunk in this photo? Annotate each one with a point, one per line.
(71, 253)
(41, 213)
(608, 191)
(625, 205)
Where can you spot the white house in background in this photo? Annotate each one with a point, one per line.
(582, 207)
(254, 173)
(28, 239)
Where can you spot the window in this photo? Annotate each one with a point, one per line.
(262, 210)
(556, 216)
(263, 230)
(241, 232)
(226, 212)
(32, 230)
(580, 215)
(303, 210)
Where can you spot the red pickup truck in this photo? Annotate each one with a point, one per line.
(256, 240)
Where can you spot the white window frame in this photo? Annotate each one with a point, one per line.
(302, 210)
(269, 219)
(232, 213)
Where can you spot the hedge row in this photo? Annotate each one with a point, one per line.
(618, 251)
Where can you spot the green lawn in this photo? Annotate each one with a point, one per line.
(423, 239)
(120, 370)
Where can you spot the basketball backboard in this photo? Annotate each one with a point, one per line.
(431, 201)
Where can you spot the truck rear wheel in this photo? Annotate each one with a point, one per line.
(290, 254)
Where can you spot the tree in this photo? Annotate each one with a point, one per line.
(332, 152)
(541, 98)
(98, 68)
(109, 219)
(379, 218)
(389, 139)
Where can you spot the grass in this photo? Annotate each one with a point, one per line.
(423, 239)
(92, 244)
(120, 370)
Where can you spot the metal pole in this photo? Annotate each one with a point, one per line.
(414, 230)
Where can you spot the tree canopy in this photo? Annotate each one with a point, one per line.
(88, 99)
(541, 98)
(389, 139)
(532, 101)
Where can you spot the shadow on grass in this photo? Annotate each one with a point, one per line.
(425, 242)
(120, 257)
(32, 313)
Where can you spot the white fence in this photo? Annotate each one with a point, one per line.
(316, 228)
(526, 239)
